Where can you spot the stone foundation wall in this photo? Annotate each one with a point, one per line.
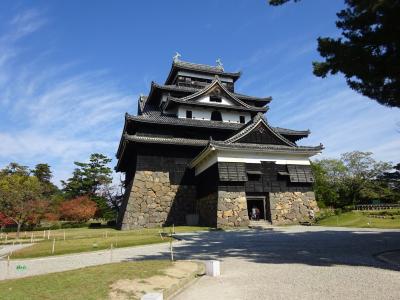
(232, 209)
(153, 201)
(207, 208)
(292, 207)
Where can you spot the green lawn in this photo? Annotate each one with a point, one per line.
(84, 240)
(361, 220)
(82, 284)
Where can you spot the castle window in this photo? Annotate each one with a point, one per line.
(188, 114)
(242, 119)
(216, 116)
(215, 99)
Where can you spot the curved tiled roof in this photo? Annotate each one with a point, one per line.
(213, 70)
(165, 140)
(171, 87)
(158, 118)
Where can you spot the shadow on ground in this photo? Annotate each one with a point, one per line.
(284, 246)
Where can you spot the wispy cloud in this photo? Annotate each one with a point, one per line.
(55, 113)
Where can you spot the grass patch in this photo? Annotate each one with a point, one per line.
(82, 284)
(85, 240)
(359, 219)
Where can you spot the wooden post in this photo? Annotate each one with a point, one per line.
(8, 264)
(6, 238)
(54, 244)
(25, 234)
(171, 250)
(111, 252)
(44, 234)
(31, 237)
(48, 234)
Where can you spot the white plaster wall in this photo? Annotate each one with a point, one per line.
(200, 113)
(278, 158)
(232, 156)
(224, 101)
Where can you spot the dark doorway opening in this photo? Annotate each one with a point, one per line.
(258, 208)
(216, 116)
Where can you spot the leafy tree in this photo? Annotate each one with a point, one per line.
(92, 179)
(362, 172)
(329, 175)
(44, 175)
(79, 209)
(89, 178)
(18, 196)
(368, 53)
(4, 220)
(15, 168)
(352, 179)
(393, 178)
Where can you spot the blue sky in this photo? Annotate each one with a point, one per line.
(69, 70)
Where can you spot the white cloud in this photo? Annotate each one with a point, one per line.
(54, 113)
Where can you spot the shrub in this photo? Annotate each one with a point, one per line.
(80, 209)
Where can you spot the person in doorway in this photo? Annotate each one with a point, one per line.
(257, 213)
(254, 213)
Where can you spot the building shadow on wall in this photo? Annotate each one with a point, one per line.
(314, 248)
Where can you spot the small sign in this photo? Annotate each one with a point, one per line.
(21, 268)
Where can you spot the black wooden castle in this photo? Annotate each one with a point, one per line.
(198, 151)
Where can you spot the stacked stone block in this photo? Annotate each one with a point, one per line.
(292, 207)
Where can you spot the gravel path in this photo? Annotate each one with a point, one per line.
(281, 263)
(35, 266)
(300, 263)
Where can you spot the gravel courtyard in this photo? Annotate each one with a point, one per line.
(281, 263)
(296, 263)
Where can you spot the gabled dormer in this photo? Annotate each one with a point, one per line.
(258, 131)
(214, 102)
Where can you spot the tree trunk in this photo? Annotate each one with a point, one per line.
(18, 229)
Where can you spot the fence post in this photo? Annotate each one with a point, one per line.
(111, 252)
(54, 244)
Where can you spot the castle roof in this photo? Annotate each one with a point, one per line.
(178, 65)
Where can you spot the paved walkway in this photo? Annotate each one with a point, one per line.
(35, 266)
(299, 263)
(288, 262)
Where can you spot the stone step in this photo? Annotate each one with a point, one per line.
(261, 224)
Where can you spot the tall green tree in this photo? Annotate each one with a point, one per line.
(89, 178)
(92, 179)
(44, 174)
(368, 52)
